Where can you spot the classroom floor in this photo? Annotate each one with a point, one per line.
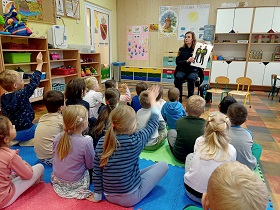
(263, 121)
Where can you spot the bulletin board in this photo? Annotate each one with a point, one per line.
(38, 11)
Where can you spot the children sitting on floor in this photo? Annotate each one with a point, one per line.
(142, 117)
(233, 186)
(73, 155)
(124, 99)
(171, 112)
(112, 97)
(135, 102)
(188, 129)
(210, 150)
(16, 175)
(225, 103)
(92, 96)
(15, 102)
(159, 100)
(248, 152)
(116, 164)
(49, 126)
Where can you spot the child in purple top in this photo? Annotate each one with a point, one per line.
(73, 155)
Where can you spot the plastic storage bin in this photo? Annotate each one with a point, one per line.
(27, 75)
(17, 57)
(117, 70)
(58, 87)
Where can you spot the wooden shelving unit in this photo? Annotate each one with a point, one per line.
(91, 60)
(42, 46)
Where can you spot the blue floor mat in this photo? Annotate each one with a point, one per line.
(169, 193)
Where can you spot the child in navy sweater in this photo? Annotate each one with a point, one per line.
(116, 168)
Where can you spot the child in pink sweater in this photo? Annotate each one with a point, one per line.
(16, 175)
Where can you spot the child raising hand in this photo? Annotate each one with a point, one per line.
(116, 164)
(16, 175)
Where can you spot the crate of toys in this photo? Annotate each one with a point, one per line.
(64, 70)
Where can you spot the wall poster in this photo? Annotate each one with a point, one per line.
(168, 21)
(193, 18)
(137, 42)
(103, 22)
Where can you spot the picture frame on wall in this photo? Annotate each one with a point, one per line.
(59, 5)
(72, 8)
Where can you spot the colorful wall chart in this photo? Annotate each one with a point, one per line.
(137, 42)
(193, 18)
(168, 21)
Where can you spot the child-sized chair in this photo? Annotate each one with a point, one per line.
(220, 80)
(274, 88)
(243, 81)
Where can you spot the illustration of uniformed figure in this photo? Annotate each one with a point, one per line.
(202, 54)
(197, 54)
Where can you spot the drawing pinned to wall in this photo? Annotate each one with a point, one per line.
(193, 18)
(201, 55)
(31, 9)
(72, 8)
(6, 5)
(59, 7)
(103, 29)
(153, 27)
(168, 21)
(137, 42)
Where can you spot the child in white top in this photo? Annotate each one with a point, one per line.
(210, 150)
(93, 97)
(73, 155)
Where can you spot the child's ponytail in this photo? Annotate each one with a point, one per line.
(64, 146)
(109, 146)
(216, 138)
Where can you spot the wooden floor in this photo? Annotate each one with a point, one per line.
(264, 123)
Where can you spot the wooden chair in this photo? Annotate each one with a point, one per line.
(220, 80)
(242, 82)
(274, 87)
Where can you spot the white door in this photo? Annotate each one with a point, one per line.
(98, 35)
(276, 20)
(224, 20)
(255, 71)
(236, 69)
(263, 19)
(219, 68)
(243, 20)
(271, 68)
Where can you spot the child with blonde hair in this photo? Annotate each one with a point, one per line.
(73, 155)
(116, 164)
(16, 175)
(210, 150)
(112, 97)
(142, 118)
(233, 185)
(15, 102)
(92, 96)
(188, 129)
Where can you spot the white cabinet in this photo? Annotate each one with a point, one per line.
(271, 68)
(255, 71)
(236, 69)
(261, 73)
(263, 19)
(237, 19)
(232, 70)
(276, 20)
(219, 68)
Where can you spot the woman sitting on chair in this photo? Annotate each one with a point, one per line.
(184, 71)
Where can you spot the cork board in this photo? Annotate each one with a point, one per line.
(38, 11)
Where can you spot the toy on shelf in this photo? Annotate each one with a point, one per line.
(255, 55)
(83, 73)
(14, 24)
(87, 60)
(272, 38)
(93, 70)
(276, 54)
(54, 56)
(259, 38)
(88, 72)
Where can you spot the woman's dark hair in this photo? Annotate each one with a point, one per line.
(75, 89)
(112, 97)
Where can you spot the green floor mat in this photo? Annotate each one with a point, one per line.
(161, 154)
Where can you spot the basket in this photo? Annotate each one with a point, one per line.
(17, 57)
(58, 87)
(11, 45)
(63, 71)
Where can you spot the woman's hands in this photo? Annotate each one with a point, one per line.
(190, 60)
